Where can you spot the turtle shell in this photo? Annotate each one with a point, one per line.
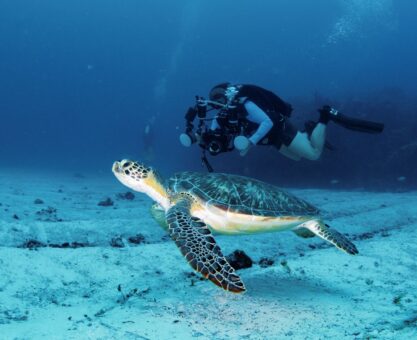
(241, 194)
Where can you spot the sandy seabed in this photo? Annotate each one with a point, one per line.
(73, 269)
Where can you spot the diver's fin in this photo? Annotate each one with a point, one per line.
(328, 113)
(359, 125)
(330, 235)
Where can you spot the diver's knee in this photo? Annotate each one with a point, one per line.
(287, 153)
(313, 156)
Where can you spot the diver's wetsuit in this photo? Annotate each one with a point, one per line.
(268, 132)
(265, 116)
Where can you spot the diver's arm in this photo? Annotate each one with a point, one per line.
(257, 115)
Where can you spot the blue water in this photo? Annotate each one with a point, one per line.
(86, 82)
(80, 80)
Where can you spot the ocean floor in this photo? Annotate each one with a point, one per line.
(73, 269)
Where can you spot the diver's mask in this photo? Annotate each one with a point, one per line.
(229, 96)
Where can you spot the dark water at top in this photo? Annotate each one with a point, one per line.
(80, 80)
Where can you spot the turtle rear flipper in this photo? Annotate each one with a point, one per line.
(303, 232)
(194, 239)
(333, 236)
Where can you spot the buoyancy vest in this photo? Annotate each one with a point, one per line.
(277, 109)
(268, 101)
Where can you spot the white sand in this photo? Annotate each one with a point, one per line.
(56, 293)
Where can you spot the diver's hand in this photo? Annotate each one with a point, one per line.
(245, 151)
(242, 144)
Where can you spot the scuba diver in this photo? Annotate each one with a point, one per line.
(249, 115)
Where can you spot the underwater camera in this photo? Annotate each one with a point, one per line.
(216, 141)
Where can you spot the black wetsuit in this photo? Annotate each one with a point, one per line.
(282, 131)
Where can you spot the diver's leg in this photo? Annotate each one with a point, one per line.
(303, 146)
(287, 153)
(285, 138)
(318, 136)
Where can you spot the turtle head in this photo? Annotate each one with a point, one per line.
(132, 174)
(141, 178)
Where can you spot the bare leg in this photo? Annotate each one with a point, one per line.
(304, 146)
(287, 153)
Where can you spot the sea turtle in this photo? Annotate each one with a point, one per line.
(195, 204)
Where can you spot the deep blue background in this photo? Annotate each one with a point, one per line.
(80, 80)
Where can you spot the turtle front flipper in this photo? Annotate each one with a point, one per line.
(194, 239)
(333, 236)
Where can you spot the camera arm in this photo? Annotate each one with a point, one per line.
(189, 119)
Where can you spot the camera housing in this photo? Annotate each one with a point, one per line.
(216, 141)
